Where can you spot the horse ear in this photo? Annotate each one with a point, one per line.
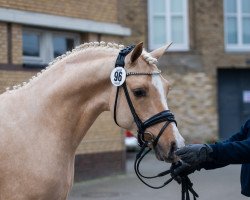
(136, 52)
(157, 53)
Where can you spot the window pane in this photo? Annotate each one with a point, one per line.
(31, 44)
(230, 6)
(246, 30)
(158, 6)
(177, 30)
(62, 44)
(159, 29)
(176, 6)
(246, 6)
(231, 26)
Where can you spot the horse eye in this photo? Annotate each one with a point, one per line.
(139, 92)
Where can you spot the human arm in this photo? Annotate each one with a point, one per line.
(216, 155)
(219, 154)
(237, 152)
(241, 135)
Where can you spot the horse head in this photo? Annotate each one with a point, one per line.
(148, 91)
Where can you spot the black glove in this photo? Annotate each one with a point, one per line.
(181, 169)
(194, 154)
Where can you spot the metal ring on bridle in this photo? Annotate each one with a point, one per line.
(149, 137)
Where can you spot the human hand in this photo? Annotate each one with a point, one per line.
(181, 169)
(194, 154)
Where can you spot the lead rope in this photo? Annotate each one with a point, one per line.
(184, 181)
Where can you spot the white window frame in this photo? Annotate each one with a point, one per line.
(168, 15)
(239, 46)
(46, 45)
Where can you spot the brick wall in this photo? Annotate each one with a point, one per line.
(103, 11)
(210, 38)
(10, 78)
(3, 43)
(192, 101)
(133, 14)
(17, 44)
(194, 73)
(111, 38)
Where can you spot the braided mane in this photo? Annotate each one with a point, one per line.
(146, 56)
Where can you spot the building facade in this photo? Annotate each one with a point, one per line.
(208, 63)
(33, 33)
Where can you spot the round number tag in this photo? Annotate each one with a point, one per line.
(118, 76)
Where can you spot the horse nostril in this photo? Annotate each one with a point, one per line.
(173, 148)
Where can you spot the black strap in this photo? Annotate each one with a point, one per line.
(120, 63)
(186, 187)
(137, 120)
(160, 133)
(122, 54)
(164, 116)
(138, 159)
(184, 181)
(115, 105)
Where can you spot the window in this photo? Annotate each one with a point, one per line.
(31, 44)
(168, 22)
(237, 25)
(40, 46)
(61, 44)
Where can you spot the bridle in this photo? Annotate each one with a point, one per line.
(145, 139)
(164, 116)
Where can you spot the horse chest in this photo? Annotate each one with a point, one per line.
(32, 185)
(55, 183)
(35, 176)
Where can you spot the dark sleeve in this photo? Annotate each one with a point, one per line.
(241, 135)
(236, 150)
(211, 165)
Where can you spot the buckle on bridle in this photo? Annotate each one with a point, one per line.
(149, 138)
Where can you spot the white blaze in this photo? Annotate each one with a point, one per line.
(180, 142)
(156, 81)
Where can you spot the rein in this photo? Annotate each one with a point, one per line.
(149, 143)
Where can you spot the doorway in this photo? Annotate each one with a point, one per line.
(233, 100)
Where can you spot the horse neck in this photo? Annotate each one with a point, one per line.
(75, 91)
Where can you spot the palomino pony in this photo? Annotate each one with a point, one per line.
(43, 121)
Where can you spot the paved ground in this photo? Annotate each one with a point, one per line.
(220, 184)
